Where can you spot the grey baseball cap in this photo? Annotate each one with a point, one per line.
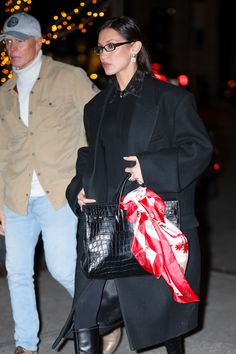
(21, 26)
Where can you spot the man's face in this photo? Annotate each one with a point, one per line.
(22, 53)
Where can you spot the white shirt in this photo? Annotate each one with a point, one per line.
(26, 79)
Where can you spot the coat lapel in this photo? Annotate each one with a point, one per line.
(97, 144)
(95, 184)
(144, 119)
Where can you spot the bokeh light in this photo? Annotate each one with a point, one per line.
(63, 23)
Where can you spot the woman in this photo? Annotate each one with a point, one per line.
(151, 130)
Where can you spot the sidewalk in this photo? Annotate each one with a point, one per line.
(218, 335)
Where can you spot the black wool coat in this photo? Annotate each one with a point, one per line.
(173, 148)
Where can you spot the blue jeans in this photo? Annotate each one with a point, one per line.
(58, 227)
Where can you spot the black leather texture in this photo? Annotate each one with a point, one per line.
(108, 240)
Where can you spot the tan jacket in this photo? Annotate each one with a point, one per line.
(49, 144)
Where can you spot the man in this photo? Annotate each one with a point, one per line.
(41, 129)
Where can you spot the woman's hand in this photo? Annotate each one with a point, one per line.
(136, 173)
(82, 200)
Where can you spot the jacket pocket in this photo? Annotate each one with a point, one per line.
(51, 111)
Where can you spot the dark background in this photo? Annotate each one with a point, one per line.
(194, 37)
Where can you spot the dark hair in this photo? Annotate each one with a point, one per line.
(129, 30)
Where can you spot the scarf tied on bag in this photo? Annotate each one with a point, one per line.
(158, 245)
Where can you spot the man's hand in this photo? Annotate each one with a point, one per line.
(2, 228)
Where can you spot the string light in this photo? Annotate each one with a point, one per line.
(93, 76)
(10, 8)
(19, 5)
(65, 27)
(63, 24)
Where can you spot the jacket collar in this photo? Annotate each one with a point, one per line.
(134, 87)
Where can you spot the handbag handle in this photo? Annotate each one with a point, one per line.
(122, 187)
(120, 213)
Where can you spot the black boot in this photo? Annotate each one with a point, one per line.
(86, 340)
(175, 345)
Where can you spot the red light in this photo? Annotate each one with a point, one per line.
(231, 84)
(160, 77)
(183, 80)
(156, 66)
(216, 166)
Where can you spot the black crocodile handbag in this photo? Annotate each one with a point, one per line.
(108, 238)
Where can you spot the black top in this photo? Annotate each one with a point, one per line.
(114, 131)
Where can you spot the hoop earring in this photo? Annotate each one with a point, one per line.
(133, 58)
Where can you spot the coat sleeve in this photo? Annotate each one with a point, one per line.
(76, 183)
(173, 165)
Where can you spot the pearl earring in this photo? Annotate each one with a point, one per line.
(133, 58)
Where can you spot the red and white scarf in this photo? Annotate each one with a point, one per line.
(158, 245)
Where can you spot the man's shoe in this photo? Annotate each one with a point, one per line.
(20, 350)
(111, 341)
